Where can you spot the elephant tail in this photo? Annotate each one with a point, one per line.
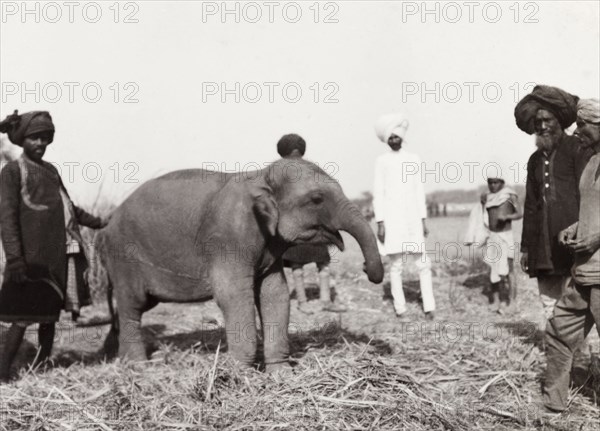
(101, 263)
(111, 344)
(114, 314)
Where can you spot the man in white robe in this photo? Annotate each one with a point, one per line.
(400, 211)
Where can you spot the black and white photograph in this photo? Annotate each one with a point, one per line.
(299, 215)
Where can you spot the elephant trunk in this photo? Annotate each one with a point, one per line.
(351, 220)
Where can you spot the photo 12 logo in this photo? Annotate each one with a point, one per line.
(253, 171)
(69, 92)
(93, 172)
(269, 92)
(69, 11)
(470, 12)
(469, 92)
(270, 12)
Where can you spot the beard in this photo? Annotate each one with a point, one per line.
(548, 142)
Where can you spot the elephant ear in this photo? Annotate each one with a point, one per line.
(266, 209)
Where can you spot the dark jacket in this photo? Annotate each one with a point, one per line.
(551, 205)
(306, 253)
(32, 226)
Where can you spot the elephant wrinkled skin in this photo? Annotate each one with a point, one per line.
(192, 235)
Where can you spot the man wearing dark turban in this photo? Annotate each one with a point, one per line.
(290, 146)
(45, 253)
(552, 195)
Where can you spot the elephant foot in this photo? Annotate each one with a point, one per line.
(135, 353)
(280, 368)
(334, 308)
(304, 308)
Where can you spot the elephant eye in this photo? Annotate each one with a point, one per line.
(317, 199)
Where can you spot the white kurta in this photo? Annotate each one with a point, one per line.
(399, 201)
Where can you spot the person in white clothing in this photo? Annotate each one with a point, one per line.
(400, 211)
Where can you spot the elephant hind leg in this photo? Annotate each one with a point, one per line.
(132, 301)
(131, 346)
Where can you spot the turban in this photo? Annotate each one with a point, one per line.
(562, 104)
(18, 127)
(391, 124)
(588, 110)
(288, 143)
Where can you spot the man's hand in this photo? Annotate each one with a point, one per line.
(587, 245)
(381, 232)
(524, 261)
(105, 221)
(483, 197)
(566, 236)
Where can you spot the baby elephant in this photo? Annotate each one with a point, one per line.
(193, 235)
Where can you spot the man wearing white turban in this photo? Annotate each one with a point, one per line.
(387, 125)
(400, 211)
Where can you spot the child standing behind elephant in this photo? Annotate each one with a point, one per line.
(291, 146)
(45, 254)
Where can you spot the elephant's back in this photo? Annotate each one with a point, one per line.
(162, 217)
(183, 191)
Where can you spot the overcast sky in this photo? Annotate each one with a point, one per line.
(377, 58)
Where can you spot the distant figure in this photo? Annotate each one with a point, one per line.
(400, 212)
(290, 146)
(445, 213)
(501, 206)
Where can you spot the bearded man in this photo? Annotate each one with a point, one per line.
(46, 256)
(552, 194)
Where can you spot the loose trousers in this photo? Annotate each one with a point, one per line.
(551, 288)
(574, 315)
(423, 263)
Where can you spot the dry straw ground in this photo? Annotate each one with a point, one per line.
(471, 369)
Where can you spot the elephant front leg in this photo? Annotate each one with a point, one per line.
(236, 300)
(274, 305)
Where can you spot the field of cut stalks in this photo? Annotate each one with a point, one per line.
(470, 369)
